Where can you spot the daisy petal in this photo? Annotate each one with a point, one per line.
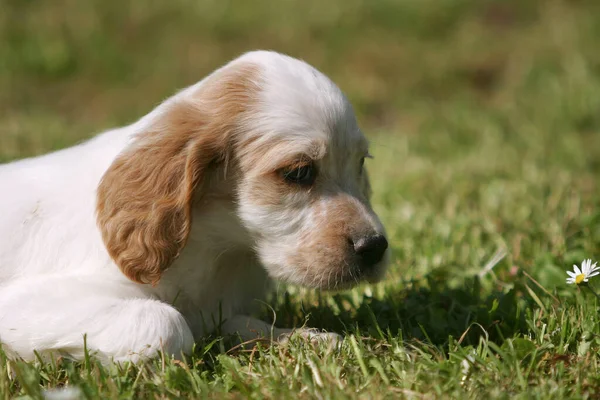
(577, 270)
(593, 274)
(570, 281)
(571, 274)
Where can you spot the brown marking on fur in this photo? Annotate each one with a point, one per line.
(271, 188)
(267, 191)
(145, 197)
(266, 163)
(327, 253)
(262, 157)
(344, 220)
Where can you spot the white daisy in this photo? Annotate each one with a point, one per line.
(587, 270)
(466, 364)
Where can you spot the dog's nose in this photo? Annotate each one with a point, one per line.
(370, 249)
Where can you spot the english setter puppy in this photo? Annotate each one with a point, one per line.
(147, 237)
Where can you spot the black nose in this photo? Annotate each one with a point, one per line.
(370, 249)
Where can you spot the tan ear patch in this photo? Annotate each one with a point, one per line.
(144, 199)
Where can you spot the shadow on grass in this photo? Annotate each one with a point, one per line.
(427, 311)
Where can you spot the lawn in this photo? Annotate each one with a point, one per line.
(484, 120)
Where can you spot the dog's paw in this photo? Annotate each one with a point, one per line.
(312, 335)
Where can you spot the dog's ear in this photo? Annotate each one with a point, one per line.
(144, 199)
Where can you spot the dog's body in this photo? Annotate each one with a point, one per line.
(263, 155)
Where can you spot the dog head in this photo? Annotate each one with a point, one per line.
(271, 140)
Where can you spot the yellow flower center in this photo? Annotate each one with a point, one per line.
(579, 278)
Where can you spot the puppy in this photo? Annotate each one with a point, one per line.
(149, 236)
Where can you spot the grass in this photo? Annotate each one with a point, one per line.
(485, 126)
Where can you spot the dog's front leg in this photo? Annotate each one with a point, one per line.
(248, 328)
(51, 315)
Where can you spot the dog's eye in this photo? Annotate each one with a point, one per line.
(304, 175)
(362, 162)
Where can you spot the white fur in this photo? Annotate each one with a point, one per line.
(58, 282)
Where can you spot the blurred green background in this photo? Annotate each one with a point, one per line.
(71, 68)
